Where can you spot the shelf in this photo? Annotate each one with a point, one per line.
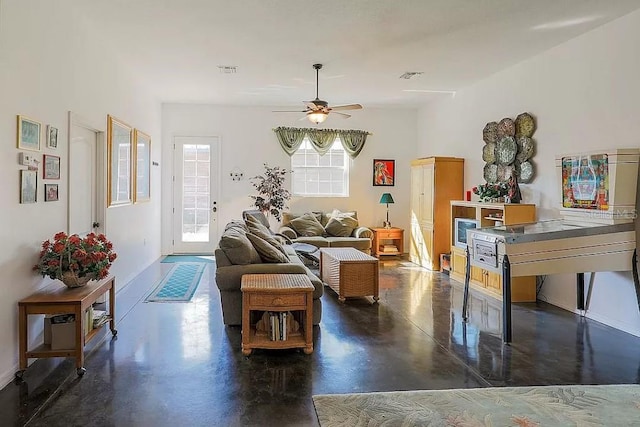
(295, 340)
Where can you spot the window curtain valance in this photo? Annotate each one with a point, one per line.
(321, 139)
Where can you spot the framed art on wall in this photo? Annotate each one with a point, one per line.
(119, 155)
(28, 186)
(51, 168)
(384, 173)
(52, 137)
(142, 166)
(51, 192)
(28, 134)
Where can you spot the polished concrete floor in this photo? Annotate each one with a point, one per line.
(176, 364)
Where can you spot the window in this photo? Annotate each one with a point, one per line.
(320, 176)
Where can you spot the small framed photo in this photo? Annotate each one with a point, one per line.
(51, 192)
(384, 173)
(51, 169)
(28, 134)
(52, 137)
(28, 186)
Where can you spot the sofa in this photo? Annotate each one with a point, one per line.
(327, 229)
(242, 250)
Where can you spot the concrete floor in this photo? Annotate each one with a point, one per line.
(176, 364)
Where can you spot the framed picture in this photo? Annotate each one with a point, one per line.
(142, 166)
(119, 162)
(52, 137)
(28, 134)
(28, 186)
(51, 192)
(51, 168)
(384, 173)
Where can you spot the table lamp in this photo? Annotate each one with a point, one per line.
(386, 198)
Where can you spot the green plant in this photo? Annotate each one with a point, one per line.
(272, 196)
(491, 190)
(90, 256)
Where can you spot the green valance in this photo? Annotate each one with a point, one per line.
(321, 139)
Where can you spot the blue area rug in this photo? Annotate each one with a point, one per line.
(179, 284)
(188, 258)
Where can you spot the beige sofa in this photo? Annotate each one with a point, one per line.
(236, 256)
(336, 229)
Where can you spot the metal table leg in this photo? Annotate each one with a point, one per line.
(465, 300)
(506, 300)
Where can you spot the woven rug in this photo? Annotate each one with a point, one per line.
(188, 258)
(595, 405)
(179, 284)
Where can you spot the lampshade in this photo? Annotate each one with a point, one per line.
(386, 198)
(317, 117)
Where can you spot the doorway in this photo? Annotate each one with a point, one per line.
(85, 186)
(195, 194)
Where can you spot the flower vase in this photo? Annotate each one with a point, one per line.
(70, 279)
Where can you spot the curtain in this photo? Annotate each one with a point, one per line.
(290, 138)
(321, 139)
(353, 141)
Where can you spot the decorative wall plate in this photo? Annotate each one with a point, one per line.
(490, 132)
(506, 127)
(506, 150)
(490, 172)
(525, 148)
(489, 152)
(525, 172)
(525, 125)
(504, 172)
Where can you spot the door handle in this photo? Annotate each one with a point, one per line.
(214, 209)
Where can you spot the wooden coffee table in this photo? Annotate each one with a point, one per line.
(280, 293)
(349, 272)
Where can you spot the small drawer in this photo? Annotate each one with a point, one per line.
(278, 300)
(388, 235)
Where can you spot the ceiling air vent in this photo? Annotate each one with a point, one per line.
(228, 69)
(407, 75)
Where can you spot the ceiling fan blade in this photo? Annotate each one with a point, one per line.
(344, 115)
(288, 111)
(347, 107)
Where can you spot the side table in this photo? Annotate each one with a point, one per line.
(277, 293)
(393, 236)
(58, 299)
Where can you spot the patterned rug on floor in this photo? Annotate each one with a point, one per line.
(188, 258)
(575, 405)
(179, 284)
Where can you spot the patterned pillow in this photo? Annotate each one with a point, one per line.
(341, 224)
(267, 251)
(307, 225)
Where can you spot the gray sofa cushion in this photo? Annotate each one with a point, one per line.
(267, 251)
(341, 224)
(307, 225)
(237, 247)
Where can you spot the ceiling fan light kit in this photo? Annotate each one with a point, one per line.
(318, 110)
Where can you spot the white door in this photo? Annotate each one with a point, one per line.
(195, 193)
(86, 210)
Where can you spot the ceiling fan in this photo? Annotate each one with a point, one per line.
(318, 110)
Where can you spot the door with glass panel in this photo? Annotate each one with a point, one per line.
(195, 193)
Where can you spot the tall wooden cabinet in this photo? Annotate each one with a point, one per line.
(435, 181)
(523, 289)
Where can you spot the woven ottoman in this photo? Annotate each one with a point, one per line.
(349, 272)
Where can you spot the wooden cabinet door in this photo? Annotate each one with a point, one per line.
(458, 263)
(429, 259)
(416, 193)
(494, 282)
(428, 191)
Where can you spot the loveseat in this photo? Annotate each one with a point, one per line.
(327, 229)
(242, 250)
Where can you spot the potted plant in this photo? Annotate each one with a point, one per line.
(272, 196)
(75, 260)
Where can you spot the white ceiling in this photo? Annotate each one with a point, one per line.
(365, 45)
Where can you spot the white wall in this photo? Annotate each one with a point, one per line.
(584, 94)
(248, 141)
(50, 63)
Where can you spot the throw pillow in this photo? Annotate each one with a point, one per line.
(254, 223)
(307, 225)
(341, 224)
(238, 248)
(268, 237)
(267, 251)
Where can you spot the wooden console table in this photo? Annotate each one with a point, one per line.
(59, 299)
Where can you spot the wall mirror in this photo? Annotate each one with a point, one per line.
(119, 155)
(142, 166)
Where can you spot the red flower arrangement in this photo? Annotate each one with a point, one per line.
(89, 257)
